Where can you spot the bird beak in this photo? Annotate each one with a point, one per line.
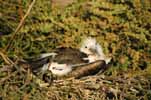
(93, 51)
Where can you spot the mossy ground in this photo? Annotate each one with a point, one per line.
(123, 28)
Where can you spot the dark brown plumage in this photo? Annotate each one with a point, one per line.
(69, 56)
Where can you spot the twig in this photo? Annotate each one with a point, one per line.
(5, 58)
(20, 10)
(20, 25)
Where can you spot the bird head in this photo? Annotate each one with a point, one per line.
(93, 50)
(88, 46)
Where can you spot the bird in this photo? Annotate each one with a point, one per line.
(64, 60)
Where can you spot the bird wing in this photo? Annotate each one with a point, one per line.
(70, 56)
(36, 63)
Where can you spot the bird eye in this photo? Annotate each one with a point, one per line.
(86, 47)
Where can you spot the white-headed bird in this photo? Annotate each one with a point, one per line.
(63, 60)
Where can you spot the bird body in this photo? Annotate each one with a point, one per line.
(62, 63)
(64, 60)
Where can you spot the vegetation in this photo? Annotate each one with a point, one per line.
(122, 27)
